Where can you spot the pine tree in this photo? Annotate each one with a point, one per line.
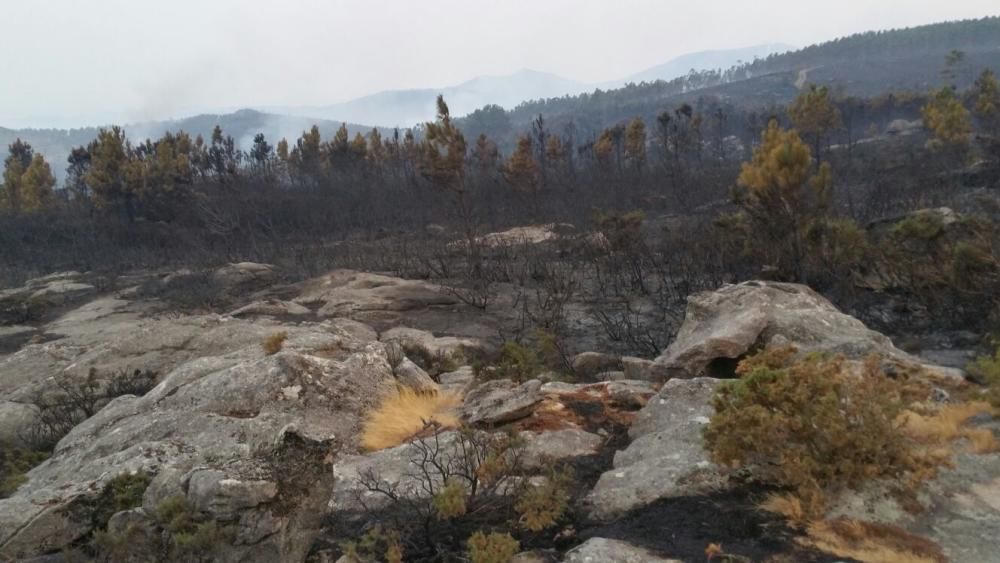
(37, 183)
(987, 102)
(110, 170)
(305, 162)
(604, 151)
(442, 162)
(486, 155)
(635, 143)
(19, 158)
(948, 121)
(815, 116)
(376, 152)
(779, 197)
(521, 169)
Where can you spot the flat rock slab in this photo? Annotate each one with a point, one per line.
(347, 293)
(666, 457)
(542, 447)
(226, 414)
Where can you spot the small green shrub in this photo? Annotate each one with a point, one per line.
(14, 463)
(987, 368)
(199, 541)
(542, 506)
(123, 492)
(518, 362)
(809, 425)
(175, 514)
(623, 231)
(192, 535)
(377, 544)
(449, 502)
(492, 548)
(116, 545)
(919, 226)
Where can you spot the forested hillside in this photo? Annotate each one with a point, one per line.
(864, 65)
(244, 190)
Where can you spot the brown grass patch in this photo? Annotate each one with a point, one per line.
(872, 543)
(404, 413)
(982, 440)
(274, 343)
(948, 424)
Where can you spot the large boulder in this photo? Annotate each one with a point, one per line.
(722, 326)
(242, 435)
(589, 364)
(666, 457)
(34, 299)
(110, 335)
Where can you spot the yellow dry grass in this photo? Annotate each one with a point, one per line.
(871, 543)
(404, 413)
(948, 424)
(274, 342)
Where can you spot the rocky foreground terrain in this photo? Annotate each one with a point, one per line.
(264, 443)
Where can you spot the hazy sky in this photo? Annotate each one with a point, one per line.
(77, 61)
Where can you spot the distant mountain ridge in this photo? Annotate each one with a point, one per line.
(703, 60)
(406, 108)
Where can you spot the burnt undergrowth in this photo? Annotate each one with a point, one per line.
(683, 527)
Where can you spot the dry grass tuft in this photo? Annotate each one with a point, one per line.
(273, 343)
(872, 543)
(404, 413)
(982, 440)
(948, 424)
(799, 513)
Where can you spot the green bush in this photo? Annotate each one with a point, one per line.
(14, 463)
(987, 368)
(377, 544)
(809, 424)
(521, 362)
(192, 535)
(123, 492)
(542, 506)
(919, 226)
(492, 548)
